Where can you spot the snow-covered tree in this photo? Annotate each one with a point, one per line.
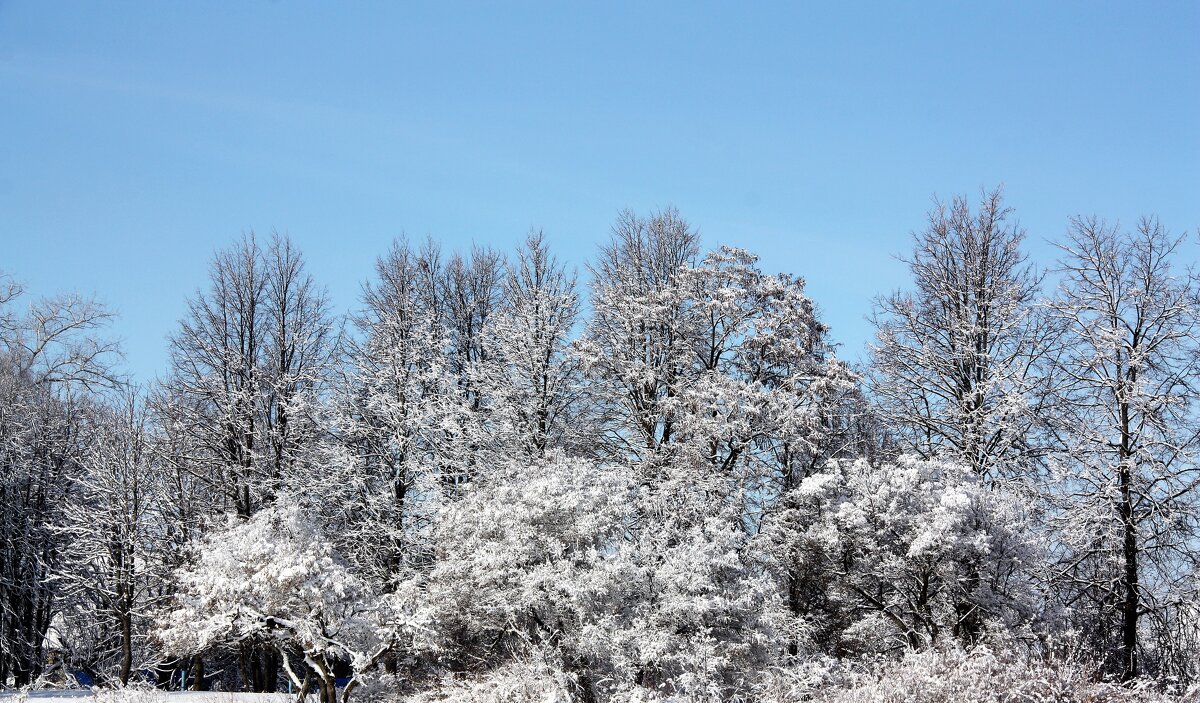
(634, 347)
(300, 356)
(525, 565)
(1127, 478)
(53, 359)
(765, 398)
(724, 393)
(496, 485)
(112, 571)
(397, 420)
(249, 367)
(911, 552)
(699, 617)
(536, 563)
(712, 357)
(959, 367)
(532, 378)
(275, 581)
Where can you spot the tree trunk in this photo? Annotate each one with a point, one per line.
(1131, 601)
(303, 694)
(126, 647)
(1129, 546)
(268, 670)
(328, 690)
(198, 673)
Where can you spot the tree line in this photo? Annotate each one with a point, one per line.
(665, 486)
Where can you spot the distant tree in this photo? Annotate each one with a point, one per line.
(712, 358)
(470, 295)
(959, 367)
(532, 377)
(52, 360)
(111, 544)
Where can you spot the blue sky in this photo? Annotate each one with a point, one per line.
(140, 137)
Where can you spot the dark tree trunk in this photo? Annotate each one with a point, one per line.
(1131, 601)
(126, 647)
(1129, 546)
(198, 673)
(268, 670)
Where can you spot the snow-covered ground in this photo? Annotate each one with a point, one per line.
(147, 696)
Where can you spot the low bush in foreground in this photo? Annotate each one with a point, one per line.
(981, 675)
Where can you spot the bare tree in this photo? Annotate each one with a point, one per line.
(1128, 474)
(217, 374)
(302, 343)
(52, 358)
(959, 365)
(249, 364)
(533, 379)
(111, 571)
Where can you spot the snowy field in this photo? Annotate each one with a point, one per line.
(147, 696)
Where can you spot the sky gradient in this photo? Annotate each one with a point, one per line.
(140, 137)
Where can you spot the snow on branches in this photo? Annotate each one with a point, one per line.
(273, 580)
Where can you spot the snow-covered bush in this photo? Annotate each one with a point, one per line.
(908, 553)
(697, 617)
(1002, 672)
(554, 562)
(273, 580)
(519, 681)
(525, 564)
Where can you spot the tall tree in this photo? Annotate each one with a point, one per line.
(301, 343)
(723, 395)
(634, 344)
(959, 366)
(112, 567)
(217, 374)
(397, 416)
(532, 376)
(249, 366)
(471, 293)
(52, 359)
(1128, 475)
